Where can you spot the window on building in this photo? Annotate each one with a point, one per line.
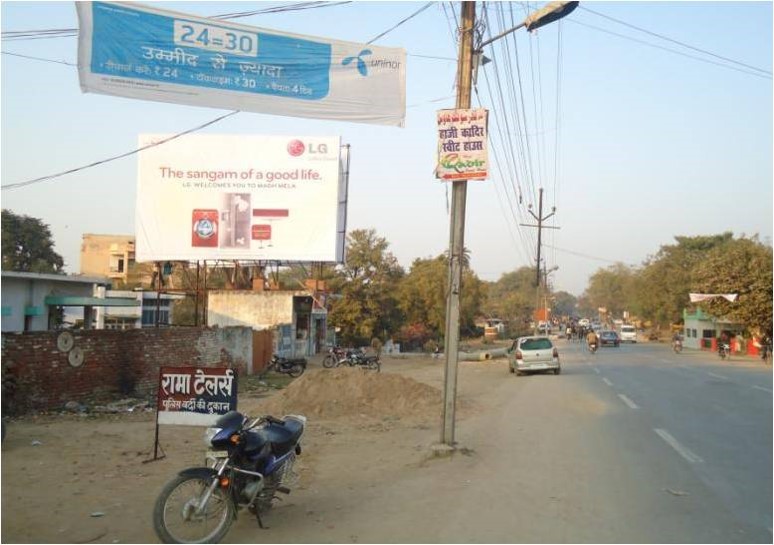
(708, 334)
(116, 263)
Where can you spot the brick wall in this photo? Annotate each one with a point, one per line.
(115, 362)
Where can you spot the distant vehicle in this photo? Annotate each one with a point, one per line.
(584, 322)
(607, 338)
(628, 334)
(529, 354)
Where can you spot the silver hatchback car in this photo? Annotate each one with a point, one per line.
(528, 354)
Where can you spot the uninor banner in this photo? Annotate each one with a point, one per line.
(134, 51)
(239, 197)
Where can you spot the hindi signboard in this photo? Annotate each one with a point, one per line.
(239, 197)
(135, 51)
(462, 145)
(195, 396)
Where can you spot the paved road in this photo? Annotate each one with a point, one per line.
(633, 444)
(716, 416)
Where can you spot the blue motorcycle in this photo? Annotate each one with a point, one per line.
(248, 464)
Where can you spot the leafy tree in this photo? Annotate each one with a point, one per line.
(742, 266)
(612, 288)
(662, 287)
(366, 306)
(565, 304)
(27, 245)
(512, 298)
(422, 295)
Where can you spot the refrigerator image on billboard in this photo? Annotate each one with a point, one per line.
(234, 220)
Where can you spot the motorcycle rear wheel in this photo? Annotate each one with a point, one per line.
(296, 371)
(175, 521)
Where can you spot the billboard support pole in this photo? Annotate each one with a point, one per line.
(156, 445)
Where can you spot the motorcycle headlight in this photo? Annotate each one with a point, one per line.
(209, 433)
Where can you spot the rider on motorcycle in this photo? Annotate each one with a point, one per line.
(591, 338)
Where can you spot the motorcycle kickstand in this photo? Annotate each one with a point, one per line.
(260, 521)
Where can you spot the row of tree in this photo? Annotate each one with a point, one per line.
(373, 296)
(658, 291)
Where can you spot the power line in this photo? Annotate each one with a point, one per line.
(127, 154)
(16, 35)
(38, 58)
(708, 61)
(683, 44)
(417, 12)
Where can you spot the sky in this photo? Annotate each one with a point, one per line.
(633, 144)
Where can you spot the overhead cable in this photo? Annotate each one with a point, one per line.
(127, 154)
(417, 12)
(683, 44)
(37, 58)
(708, 61)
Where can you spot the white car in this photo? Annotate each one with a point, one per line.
(628, 334)
(529, 354)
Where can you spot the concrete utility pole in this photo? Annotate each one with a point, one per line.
(540, 219)
(548, 14)
(457, 233)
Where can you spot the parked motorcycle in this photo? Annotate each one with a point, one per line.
(294, 367)
(358, 358)
(335, 354)
(250, 463)
(724, 350)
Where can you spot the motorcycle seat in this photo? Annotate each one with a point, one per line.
(283, 437)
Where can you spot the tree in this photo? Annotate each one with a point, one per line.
(742, 266)
(512, 298)
(366, 306)
(612, 288)
(564, 304)
(662, 287)
(27, 245)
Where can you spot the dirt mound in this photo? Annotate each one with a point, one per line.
(355, 392)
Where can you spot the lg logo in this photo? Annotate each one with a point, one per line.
(297, 148)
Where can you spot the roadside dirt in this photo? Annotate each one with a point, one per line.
(88, 478)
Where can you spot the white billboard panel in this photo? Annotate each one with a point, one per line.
(135, 51)
(242, 197)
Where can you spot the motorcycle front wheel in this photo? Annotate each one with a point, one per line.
(329, 361)
(175, 519)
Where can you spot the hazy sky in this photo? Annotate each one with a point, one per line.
(651, 144)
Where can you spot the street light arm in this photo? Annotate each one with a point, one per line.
(547, 14)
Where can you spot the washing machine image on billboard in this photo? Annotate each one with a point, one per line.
(235, 219)
(205, 228)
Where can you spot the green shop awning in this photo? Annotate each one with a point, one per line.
(71, 301)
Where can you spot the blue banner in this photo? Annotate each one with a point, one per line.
(135, 51)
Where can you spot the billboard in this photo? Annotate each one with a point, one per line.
(240, 197)
(462, 145)
(135, 51)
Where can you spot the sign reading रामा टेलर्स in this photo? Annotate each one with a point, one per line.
(195, 396)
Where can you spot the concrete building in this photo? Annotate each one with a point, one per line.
(700, 330)
(300, 318)
(139, 316)
(107, 255)
(38, 302)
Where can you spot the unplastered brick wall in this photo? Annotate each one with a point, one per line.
(114, 363)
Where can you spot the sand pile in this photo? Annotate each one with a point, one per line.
(355, 392)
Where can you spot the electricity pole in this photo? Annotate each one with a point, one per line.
(540, 219)
(548, 14)
(457, 233)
